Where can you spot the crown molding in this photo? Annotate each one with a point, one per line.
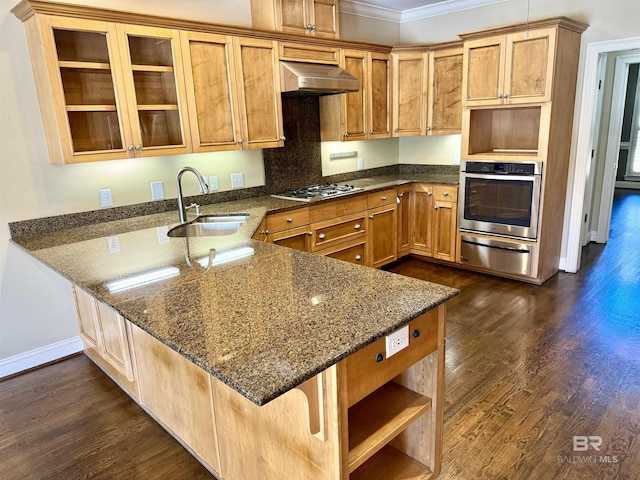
(354, 7)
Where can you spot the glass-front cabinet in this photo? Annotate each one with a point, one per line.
(110, 91)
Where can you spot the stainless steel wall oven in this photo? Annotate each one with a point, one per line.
(500, 198)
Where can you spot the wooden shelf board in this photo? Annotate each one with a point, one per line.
(157, 107)
(91, 108)
(391, 464)
(380, 417)
(151, 68)
(84, 65)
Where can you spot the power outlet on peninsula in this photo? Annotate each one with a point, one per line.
(397, 341)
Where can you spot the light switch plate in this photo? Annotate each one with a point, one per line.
(360, 163)
(106, 200)
(113, 244)
(397, 341)
(157, 191)
(213, 183)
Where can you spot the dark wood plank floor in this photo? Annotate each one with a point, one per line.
(528, 368)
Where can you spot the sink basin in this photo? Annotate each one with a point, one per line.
(209, 226)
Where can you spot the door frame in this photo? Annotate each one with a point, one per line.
(620, 81)
(583, 148)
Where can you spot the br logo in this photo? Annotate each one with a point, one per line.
(583, 443)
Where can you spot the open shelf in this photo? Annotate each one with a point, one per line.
(381, 416)
(504, 132)
(390, 464)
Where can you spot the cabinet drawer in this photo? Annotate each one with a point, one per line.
(278, 222)
(309, 53)
(339, 230)
(365, 373)
(354, 252)
(337, 208)
(383, 197)
(447, 193)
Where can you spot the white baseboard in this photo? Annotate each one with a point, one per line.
(39, 356)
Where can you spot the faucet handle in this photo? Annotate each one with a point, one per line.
(194, 205)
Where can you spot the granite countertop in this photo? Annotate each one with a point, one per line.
(263, 323)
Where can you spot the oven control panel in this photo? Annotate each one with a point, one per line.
(505, 168)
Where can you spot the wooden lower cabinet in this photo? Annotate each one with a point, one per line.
(354, 251)
(368, 417)
(107, 339)
(405, 223)
(296, 238)
(382, 235)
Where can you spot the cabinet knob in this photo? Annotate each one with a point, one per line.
(309, 233)
(322, 236)
(500, 95)
(445, 194)
(428, 129)
(130, 148)
(395, 130)
(313, 27)
(289, 220)
(383, 198)
(435, 208)
(357, 226)
(505, 95)
(371, 217)
(379, 358)
(401, 195)
(283, 138)
(429, 194)
(346, 135)
(138, 147)
(416, 333)
(358, 257)
(370, 132)
(239, 141)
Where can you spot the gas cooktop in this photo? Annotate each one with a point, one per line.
(317, 192)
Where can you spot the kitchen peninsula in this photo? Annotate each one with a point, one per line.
(272, 365)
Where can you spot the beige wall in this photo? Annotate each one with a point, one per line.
(375, 153)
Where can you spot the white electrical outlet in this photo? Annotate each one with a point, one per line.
(237, 180)
(157, 191)
(361, 164)
(113, 244)
(105, 198)
(162, 234)
(397, 340)
(213, 183)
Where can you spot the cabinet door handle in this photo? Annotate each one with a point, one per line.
(357, 226)
(239, 141)
(428, 129)
(435, 208)
(505, 95)
(322, 236)
(445, 194)
(289, 220)
(358, 257)
(130, 148)
(383, 198)
(401, 195)
(371, 217)
(138, 147)
(309, 233)
(283, 138)
(395, 130)
(429, 194)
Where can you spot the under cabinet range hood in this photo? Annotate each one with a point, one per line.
(315, 79)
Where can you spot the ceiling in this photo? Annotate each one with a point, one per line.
(401, 11)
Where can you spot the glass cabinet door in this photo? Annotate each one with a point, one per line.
(157, 98)
(89, 100)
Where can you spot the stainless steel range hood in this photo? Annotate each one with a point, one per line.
(315, 79)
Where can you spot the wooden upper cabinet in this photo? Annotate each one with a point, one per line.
(108, 91)
(213, 103)
(364, 114)
(258, 83)
(509, 69)
(445, 92)
(379, 104)
(152, 61)
(81, 90)
(316, 18)
(410, 74)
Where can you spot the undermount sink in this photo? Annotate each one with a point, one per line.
(209, 226)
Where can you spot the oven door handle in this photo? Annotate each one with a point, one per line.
(482, 176)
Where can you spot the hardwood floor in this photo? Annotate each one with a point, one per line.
(528, 368)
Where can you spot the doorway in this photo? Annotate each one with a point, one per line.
(586, 131)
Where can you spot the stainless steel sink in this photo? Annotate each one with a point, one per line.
(209, 226)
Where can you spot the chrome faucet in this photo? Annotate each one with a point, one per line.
(205, 189)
